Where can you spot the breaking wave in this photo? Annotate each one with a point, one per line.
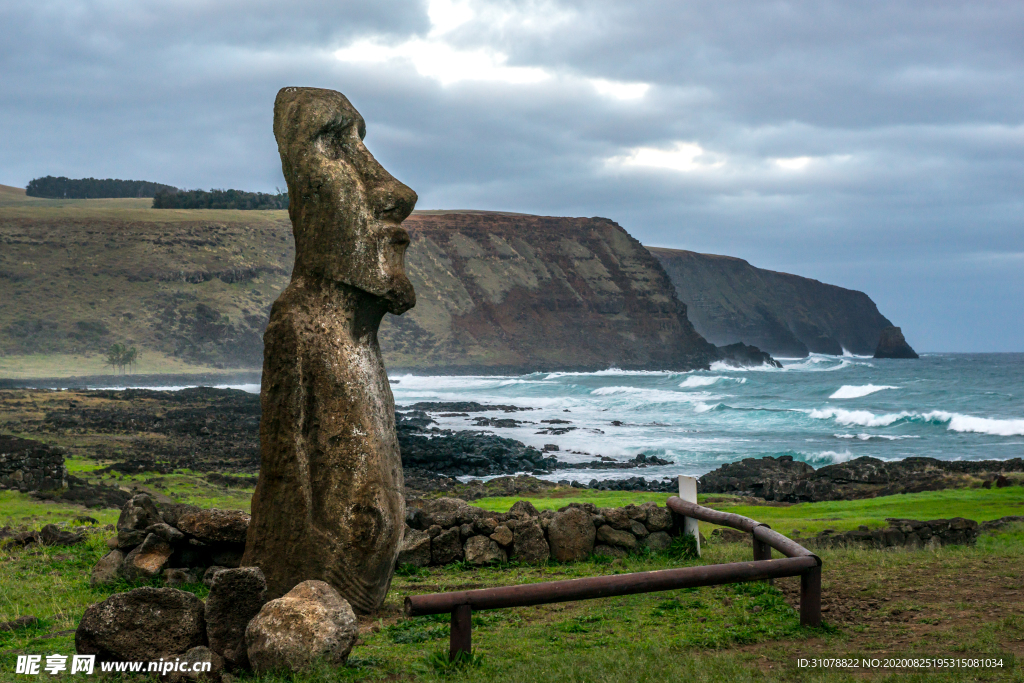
(955, 422)
(854, 391)
(698, 381)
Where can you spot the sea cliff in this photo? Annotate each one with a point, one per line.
(728, 300)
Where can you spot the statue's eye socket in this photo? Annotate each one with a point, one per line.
(362, 129)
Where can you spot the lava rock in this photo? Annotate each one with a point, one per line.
(415, 548)
(446, 547)
(481, 550)
(138, 513)
(529, 545)
(309, 624)
(236, 596)
(142, 625)
(148, 560)
(106, 571)
(216, 526)
(622, 539)
(571, 535)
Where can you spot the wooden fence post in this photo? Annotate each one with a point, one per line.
(461, 639)
(688, 492)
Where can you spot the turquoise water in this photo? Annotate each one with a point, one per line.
(822, 410)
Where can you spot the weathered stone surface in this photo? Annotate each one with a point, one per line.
(311, 623)
(129, 538)
(658, 518)
(148, 560)
(528, 544)
(523, 508)
(638, 529)
(658, 541)
(329, 501)
(571, 535)
(198, 655)
(502, 535)
(616, 518)
(482, 550)
(106, 570)
(215, 526)
(210, 575)
(610, 536)
(166, 532)
(138, 513)
(236, 596)
(415, 548)
(446, 547)
(141, 625)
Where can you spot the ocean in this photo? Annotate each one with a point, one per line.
(821, 410)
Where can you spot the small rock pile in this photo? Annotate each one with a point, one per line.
(912, 533)
(448, 530)
(183, 543)
(234, 629)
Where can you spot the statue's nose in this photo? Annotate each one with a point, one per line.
(392, 200)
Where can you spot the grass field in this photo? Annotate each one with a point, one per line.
(946, 602)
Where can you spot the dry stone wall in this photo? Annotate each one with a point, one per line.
(27, 465)
(448, 530)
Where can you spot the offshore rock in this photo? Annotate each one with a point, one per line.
(142, 625)
(311, 624)
(329, 503)
(891, 344)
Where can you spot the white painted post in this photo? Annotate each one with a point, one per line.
(688, 492)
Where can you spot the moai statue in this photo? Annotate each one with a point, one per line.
(329, 502)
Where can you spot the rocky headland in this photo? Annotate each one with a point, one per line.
(729, 300)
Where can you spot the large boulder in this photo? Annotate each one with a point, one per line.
(143, 624)
(236, 596)
(658, 518)
(528, 544)
(138, 513)
(148, 560)
(613, 537)
(446, 547)
(415, 548)
(311, 623)
(106, 570)
(481, 550)
(215, 526)
(192, 669)
(571, 535)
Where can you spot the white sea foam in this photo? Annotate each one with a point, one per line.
(883, 437)
(706, 381)
(862, 418)
(830, 457)
(701, 407)
(978, 425)
(854, 391)
(722, 366)
(614, 372)
(955, 422)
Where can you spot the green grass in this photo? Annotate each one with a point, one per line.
(707, 634)
(21, 511)
(810, 518)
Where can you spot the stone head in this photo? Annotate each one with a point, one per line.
(346, 210)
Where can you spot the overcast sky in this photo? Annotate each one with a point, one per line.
(874, 145)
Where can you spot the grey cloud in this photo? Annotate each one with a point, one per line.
(925, 100)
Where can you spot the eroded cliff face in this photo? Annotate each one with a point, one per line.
(503, 292)
(786, 315)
